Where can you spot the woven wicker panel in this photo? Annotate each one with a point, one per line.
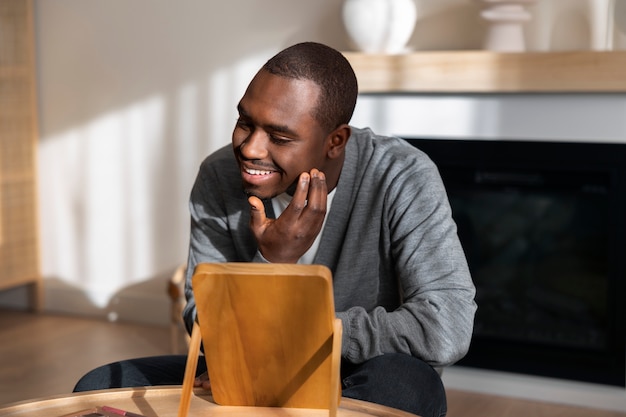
(19, 263)
(16, 123)
(14, 46)
(18, 254)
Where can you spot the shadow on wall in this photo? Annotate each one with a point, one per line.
(146, 302)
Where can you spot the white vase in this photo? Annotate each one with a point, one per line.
(380, 26)
(506, 19)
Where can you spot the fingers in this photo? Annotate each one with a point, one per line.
(288, 237)
(300, 195)
(202, 380)
(206, 385)
(318, 192)
(257, 213)
(310, 194)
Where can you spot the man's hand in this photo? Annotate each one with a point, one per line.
(287, 238)
(202, 380)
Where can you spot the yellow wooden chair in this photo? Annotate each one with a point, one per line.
(179, 338)
(270, 336)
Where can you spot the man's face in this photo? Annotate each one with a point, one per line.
(276, 137)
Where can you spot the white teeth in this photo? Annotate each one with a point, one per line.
(257, 172)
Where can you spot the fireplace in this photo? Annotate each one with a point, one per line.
(543, 225)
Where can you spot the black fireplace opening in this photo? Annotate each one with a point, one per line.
(543, 226)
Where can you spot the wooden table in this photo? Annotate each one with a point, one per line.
(163, 402)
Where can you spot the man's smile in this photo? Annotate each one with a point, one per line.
(258, 176)
(257, 171)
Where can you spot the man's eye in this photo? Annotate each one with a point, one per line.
(242, 124)
(278, 140)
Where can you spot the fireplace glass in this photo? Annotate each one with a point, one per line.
(543, 228)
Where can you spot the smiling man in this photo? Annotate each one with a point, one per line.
(281, 148)
(299, 184)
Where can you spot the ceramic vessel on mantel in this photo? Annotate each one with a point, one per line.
(380, 26)
(506, 18)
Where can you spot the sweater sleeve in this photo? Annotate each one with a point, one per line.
(434, 319)
(208, 241)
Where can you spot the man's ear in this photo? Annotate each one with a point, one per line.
(337, 141)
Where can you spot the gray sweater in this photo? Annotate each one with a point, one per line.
(400, 278)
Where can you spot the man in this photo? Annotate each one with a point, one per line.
(301, 185)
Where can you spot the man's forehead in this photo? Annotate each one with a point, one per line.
(265, 78)
(292, 94)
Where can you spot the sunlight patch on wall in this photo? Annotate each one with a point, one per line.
(97, 228)
(225, 87)
(187, 133)
(114, 189)
(221, 115)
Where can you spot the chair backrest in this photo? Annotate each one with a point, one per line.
(270, 334)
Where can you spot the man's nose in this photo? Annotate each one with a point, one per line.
(255, 145)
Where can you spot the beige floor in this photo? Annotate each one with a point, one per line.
(42, 355)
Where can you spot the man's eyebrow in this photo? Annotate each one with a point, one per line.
(284, 129)
(241, 110)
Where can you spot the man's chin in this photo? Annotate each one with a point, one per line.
(259, 195)
(267, 194)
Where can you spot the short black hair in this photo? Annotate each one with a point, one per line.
(327, 68)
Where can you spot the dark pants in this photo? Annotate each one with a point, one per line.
(395, 380)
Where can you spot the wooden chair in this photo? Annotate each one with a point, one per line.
(270, 336)
(179, 338)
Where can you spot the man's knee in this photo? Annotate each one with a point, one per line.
(103, 377)
(397, 380)
(149, 371)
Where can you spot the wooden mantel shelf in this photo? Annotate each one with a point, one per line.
(490, 72)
